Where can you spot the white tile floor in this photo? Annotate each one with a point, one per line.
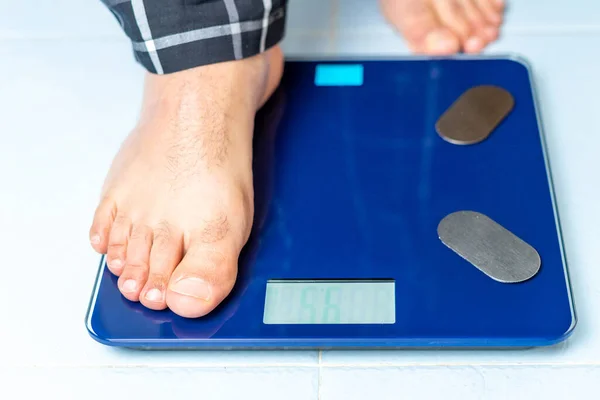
(69, 91)
(460, 382)
(212, 382)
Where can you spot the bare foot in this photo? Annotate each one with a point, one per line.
(177, 205)
(442, 27)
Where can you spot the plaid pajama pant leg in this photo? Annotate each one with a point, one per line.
(173, 35)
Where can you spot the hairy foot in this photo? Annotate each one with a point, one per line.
(177, 205)
(441, 27)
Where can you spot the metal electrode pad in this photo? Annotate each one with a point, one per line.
(491, 248)
(474, 115)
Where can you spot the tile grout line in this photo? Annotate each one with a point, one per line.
(321, 366)
(320, 370)
(167, 366)
(461, 364)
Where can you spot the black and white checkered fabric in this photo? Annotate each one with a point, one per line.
(174, 35)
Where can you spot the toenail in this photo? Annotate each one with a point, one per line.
(95, 239)
(116, 265)
(154, 295)
(474, 44)
(490, 31)
(129, 285)
(194, 287)
(439, 41)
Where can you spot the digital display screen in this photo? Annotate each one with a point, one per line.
(330, 302)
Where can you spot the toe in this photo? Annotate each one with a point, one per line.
(418, 23)
(452, 15)
(490, 33)
(473, 14)
(135, 272)
(202, 280)
(492, 10)
(100, 229)
(441, 41)
(474, 44)
(117, 244)
(166, 253)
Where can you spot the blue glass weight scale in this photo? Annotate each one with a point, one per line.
(351, 182)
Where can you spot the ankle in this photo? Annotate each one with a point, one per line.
(244, 83)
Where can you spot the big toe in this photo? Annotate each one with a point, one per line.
(100, 229)
(417, 21)
(441, 41)
(202, 280)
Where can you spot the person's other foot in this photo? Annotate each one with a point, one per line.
(443, 27)
(177, 205)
